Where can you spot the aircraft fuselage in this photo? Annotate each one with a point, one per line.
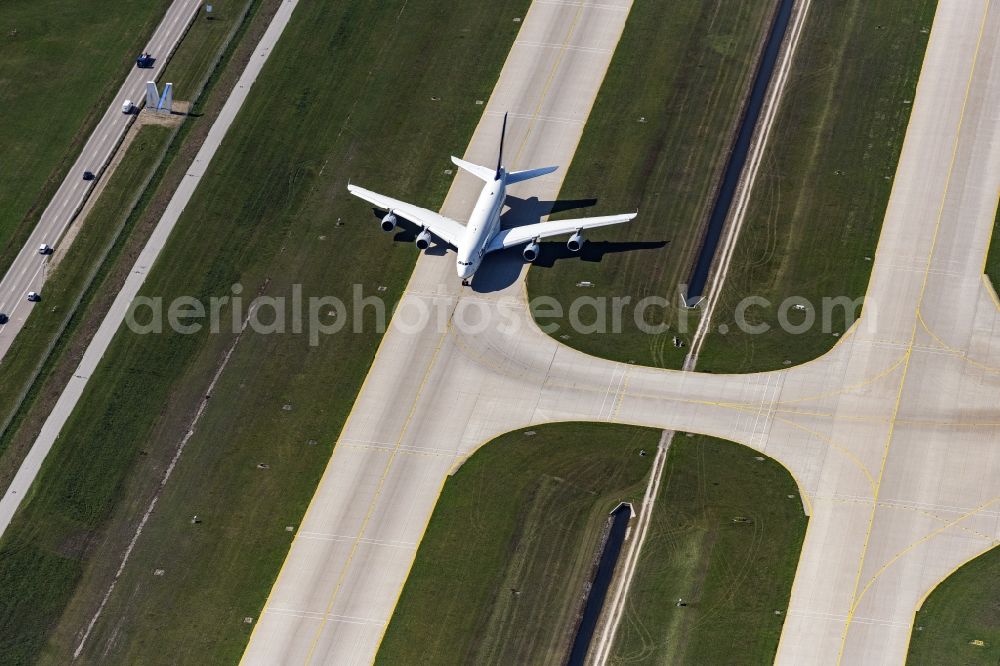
(484, 222)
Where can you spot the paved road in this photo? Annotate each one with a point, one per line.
(116, 315)
(27, 273)
(892, 436)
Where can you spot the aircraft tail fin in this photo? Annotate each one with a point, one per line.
(503, 132)
(486, 174)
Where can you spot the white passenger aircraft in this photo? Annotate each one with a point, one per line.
(483, 234)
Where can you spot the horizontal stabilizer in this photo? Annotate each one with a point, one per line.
(481, 172)
(518, 176)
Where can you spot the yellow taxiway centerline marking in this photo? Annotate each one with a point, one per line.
(855, 597)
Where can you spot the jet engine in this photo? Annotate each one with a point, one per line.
(530, 252)
(389, 222)
(423, 240)
(575, 242)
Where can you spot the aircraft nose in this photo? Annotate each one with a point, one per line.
(464, 272)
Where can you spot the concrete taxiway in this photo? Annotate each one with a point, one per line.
(892, 436)
(27, 272)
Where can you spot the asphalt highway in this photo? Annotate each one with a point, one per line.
(27, 272)
(891, 436)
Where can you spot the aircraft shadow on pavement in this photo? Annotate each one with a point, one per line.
(529, 211)
(501, 269)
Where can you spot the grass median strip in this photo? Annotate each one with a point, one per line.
(61, 65)
(503, 568)
(715, 574)
(499, 574)
(959, 623)
(660, 147)
(332, 106)
(816, 210)
(189, 65)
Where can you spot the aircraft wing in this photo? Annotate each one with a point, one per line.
(445, 228)
(517, 235)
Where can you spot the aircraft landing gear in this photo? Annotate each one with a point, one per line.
(465, 283)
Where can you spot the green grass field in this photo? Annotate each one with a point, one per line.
(494, 530)
(61, 64)
(962, 609)
(725, 539)
(266, 217)
(817, 207)
(500, 573)
(191, 63)
(696, 60)
(816, 213)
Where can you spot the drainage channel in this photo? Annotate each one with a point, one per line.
(738, 156)
(602, 580)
